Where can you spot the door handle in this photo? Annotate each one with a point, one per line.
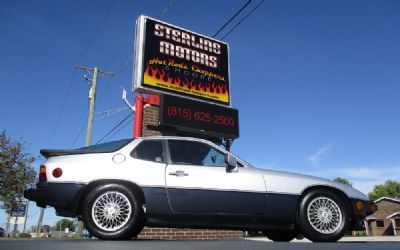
(179, 173)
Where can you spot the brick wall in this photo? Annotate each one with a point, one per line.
(188, 234)
(150, 120)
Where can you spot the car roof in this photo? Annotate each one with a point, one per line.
(179, 138)
(172, 138)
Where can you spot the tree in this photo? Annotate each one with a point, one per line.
(17, 172)
(343, 181)
(64, 223)
(388, 189)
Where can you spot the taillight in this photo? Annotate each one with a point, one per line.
(57, 172)
(42, 173)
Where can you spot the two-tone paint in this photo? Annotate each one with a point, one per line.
(185, 195)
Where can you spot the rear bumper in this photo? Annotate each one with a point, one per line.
(63, 197)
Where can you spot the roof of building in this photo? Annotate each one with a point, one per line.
(393, 215)
(387, 198)
(370, 217)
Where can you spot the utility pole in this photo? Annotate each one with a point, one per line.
(39, 224)
(92, 97)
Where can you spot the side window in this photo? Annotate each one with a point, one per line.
(151, 150)
(214, 158)
(195, 153)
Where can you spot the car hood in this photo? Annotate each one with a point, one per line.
(293, 183)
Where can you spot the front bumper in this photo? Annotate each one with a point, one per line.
(361, 209)
(63, 197)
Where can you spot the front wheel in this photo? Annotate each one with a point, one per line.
(112, 212)
(323, 216)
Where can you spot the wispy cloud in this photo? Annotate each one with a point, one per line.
(372, 173)
(363, 178)
(315, 158)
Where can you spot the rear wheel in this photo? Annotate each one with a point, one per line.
(112, 212)
(323, 216)
(281, 235)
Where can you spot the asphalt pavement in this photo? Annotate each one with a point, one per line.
(193, 245)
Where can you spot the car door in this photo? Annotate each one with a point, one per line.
(197, 181)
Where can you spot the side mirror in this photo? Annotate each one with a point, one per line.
(231, 163)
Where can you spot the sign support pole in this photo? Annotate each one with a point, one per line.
(39, 223)
(15, 227)
(26, 215)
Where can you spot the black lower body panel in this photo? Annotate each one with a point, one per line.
(212, 209)
(62, 196)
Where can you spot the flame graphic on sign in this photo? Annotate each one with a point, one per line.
(159, 78)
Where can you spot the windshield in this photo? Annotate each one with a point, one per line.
(245, 162)
(237, 157)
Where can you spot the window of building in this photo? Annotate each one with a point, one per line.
(195, 153)
(380, 223)
(151, 150)
(397, 223)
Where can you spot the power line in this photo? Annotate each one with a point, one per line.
(115, 127)
(123, 44)
(117, 53)
(128, 56)
(117, 70)
(92, 96)
(166, 8)
(74, 72)
(124, 61)
(119, 130)
(233, 17)
(162, 15)
(241, 20)
(80, 130)
(96, 31)
(63, 105)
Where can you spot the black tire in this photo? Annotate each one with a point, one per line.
(323, 216)
(281, 235)
(104, 203)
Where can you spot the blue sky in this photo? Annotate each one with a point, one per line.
(316, 82)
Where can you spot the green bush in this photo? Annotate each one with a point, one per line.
(24, 235)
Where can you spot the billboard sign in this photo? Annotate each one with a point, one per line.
(179, 62)
(19, 211)
(195, 116)
(19, 220)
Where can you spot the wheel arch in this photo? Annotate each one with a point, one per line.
(340, 193)
(133, 186)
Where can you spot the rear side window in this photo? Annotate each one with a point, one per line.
(149, 151)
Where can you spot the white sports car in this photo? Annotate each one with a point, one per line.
(117, 188)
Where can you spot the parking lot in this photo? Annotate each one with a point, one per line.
(353, 243)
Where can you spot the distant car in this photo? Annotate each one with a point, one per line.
(2, 232)
(119, 187)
